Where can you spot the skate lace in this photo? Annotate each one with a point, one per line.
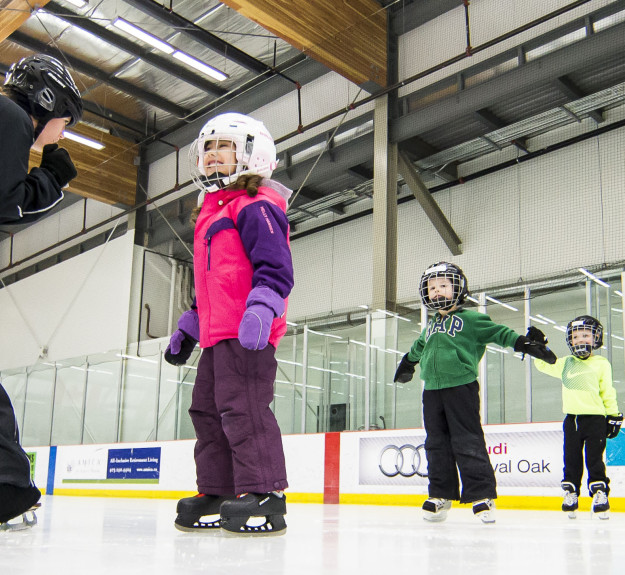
(570, 498)
(437, 501)
(600, 498)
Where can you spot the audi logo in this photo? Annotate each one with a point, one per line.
(407, 460)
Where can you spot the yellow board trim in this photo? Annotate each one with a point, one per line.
(152, 494)
(503, 502)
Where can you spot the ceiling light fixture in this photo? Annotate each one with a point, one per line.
(200, 66)
(83, 140)
(143, 35)
(501, 303)
(78, 3)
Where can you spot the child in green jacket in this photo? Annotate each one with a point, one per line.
(449, 351)
(591, 412)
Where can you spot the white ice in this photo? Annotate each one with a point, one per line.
(80, 535)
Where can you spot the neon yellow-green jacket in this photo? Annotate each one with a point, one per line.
(586, 384)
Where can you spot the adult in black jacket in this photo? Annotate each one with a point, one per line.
(40, 100)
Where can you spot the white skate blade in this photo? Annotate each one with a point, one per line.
(572, 514)
(601, 515)
(25, 521)
(435, 517)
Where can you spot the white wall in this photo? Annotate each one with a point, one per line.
(540, 218)
(77, 307)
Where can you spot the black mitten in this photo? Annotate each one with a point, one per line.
(184, 344)
(57, 161)
(535, 335)
(525, 345)
(405, 370)
(613, 425)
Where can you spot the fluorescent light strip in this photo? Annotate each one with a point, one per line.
(546, 319)
(538, 320)
(200, 66)
(593, 277)
(134, 357)
(618, 293)
(78, 3)
(83, 140)
(143, 36)
(559, 328)
(501, 303)
(324, 334)
(473, 300)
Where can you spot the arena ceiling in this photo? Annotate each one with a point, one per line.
(150, 101)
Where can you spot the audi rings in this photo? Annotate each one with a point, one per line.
(406, 460)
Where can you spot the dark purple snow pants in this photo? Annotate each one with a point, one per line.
(239, 446)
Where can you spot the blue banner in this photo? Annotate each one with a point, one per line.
(137, 463)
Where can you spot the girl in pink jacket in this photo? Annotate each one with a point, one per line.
(243, 275)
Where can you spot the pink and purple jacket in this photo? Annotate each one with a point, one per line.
(240, 243)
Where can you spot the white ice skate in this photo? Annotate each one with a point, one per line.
(600, 503)
(22, 522)
(435, 509)
(485, 510)
(570, 503)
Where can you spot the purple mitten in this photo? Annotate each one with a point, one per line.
(263, 304)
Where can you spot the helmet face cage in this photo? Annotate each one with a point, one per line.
(454, 276)
(584, 323)
(254, 150)
(48, 86)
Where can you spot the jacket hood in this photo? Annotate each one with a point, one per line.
(277, 187)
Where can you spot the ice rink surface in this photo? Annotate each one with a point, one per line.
(84, 536)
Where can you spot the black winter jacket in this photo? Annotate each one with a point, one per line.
(24, 197)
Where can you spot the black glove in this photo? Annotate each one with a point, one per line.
(405, 370)
(57, 161)
(613, 425)
(525, 345)
(535, 335)
(185, 345)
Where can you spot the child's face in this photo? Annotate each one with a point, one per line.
(219, 156)
(582, 337)
(440, 288)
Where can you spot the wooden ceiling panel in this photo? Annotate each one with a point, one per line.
(108, 175)
(13, 13)
(348, 36)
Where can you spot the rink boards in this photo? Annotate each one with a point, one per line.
(378, 467)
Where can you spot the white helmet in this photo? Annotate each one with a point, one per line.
(255, 150)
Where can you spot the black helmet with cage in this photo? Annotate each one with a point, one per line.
(584, 323)
(44, 88)
(457, 280)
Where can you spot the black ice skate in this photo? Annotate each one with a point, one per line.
(235, 514)
(191, 510)
(17, 507)
(485, 510)
(570, 504)
(435, 509)
(600, 503)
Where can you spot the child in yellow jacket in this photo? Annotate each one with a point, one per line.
(589, 402)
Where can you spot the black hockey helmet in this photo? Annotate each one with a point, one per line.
(588, 323)
(45, 88)
(455, 276)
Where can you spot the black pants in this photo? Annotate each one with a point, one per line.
(584, 434)
(14, 463)
(455, 442)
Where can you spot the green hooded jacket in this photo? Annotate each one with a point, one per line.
(451, 347)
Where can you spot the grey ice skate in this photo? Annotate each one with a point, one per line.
(485, 510)
(435, 509)
(191, 511)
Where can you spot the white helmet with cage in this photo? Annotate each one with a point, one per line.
(254, 149)
(584, 323)
(457, 280)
